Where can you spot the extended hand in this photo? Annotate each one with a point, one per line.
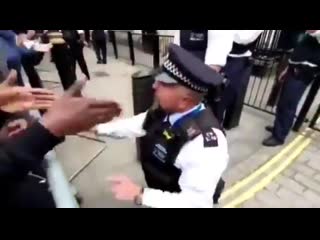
(72, 114)
(124, 189)
(16, 99)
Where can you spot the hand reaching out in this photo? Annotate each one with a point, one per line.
(17, 99)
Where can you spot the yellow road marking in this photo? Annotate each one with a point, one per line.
(266, 180)
(263, 168)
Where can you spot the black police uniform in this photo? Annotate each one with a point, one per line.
(304, 67)
(72, 37)
(195, 41)
(99, 40)
(62, 57)
(163, 141)
(237, 71)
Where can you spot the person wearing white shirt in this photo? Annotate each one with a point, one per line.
(237, 70)
(211, 46)
(184, 150)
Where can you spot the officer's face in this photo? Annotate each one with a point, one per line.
(170, 97)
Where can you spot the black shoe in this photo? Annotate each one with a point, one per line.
(99, 62)
(269, 128)
(271, 142)
(104, 61)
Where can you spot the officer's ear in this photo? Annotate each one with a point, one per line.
(194, 97)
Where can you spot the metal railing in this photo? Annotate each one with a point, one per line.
(141, 49)
(266, 58)
(315, 122)
(263, 89)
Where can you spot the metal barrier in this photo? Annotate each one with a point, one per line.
(266, 58)
(62, 191)
(143, 49)
(315, 124)
(269, 59)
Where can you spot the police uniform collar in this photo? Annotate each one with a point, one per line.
(176, 116)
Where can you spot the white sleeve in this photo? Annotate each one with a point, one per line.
(201, 169)
(247, 36)
(176, 39)
(125, 128)
(28, 44)
(220, 44)
(80, 31)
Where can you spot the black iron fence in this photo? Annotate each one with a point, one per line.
(142, 49)
(315, 122)
(269, 60)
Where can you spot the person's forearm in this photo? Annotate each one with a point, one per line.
(217, 68)
(21, 153)
(160, 199)
(125, 128)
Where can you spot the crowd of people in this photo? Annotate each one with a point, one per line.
(185, 150)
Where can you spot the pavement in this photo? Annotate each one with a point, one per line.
(88, 161)
(297, 187)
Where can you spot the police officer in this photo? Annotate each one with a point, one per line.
(61, 56)
(211, 46)
(185, 150)
(99, 40)
(304, 67)
(237, 70)
(76, 41)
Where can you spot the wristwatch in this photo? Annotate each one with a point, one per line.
(138, 198)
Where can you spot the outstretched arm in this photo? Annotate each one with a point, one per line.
(125, 128)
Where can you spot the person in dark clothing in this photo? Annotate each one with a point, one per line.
(61, 56)
(22, 175)
(238, 71)
(75, 39)
(99, 39)
(303, 69)
(87, 37)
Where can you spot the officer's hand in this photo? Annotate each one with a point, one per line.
(17, 99)
(124, 189)
(31, 34)
(16, 126)
(72, 114)
(216, 68)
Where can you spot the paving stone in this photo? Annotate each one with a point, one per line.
(310, 183)
(291, 184)
(317, 177)
(292, 199)
(304, 169)
(273, 186)
(313, 197)
(315, 164)
(289, 172)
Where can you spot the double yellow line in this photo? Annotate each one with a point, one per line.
(296, 147)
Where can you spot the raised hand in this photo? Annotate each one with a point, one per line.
(17, 99)
(72, 114)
